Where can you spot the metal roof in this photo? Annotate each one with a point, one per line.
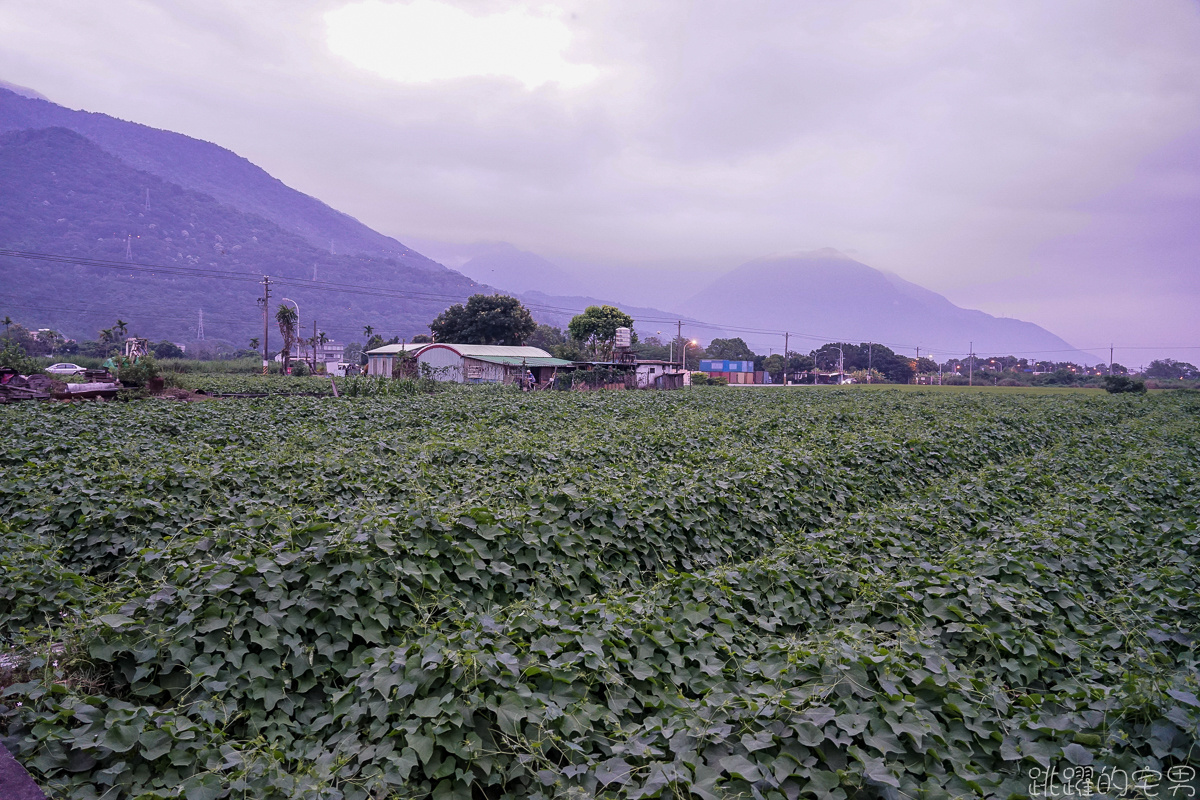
(392, 349)
(495, 350)
(528, 361)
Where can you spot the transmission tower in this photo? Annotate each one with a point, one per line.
(200, 326)
(129, 247)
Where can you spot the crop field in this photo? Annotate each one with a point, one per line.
(484, 594)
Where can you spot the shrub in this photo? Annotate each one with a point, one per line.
(1118, 384)
(13, 356)
(300, 369)
(137, 372)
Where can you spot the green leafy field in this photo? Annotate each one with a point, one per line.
(702, 594)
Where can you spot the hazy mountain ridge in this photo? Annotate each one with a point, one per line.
(211, 169)
(826, 296)
(67, 196)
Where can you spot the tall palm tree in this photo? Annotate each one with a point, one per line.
(254, 343)
(287, 317)
(121, 327)
(7, 321)
(367, 331)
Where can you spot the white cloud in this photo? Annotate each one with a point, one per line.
(425, 41)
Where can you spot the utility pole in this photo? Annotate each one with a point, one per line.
(785, 358)
(971, 366)
(266, 304)
(314, 364)
(1110, 361)
(870, 359)
(918, 362)
(682, 346)
(129, 247)
(841, 365)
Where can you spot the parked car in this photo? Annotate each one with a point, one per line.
(65, 369)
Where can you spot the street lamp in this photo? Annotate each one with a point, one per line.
(841, 361)
(684, 348)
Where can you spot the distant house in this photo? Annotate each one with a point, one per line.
(653, 374)
(382, 360)
(487, 363)
(328, 354)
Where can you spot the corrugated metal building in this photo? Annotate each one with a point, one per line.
(486, 363)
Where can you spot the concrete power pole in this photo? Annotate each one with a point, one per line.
(266, 304)
(785, 358)
(682, 346)
(971, 366)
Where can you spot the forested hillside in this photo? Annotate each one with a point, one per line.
(65, 195)
(209, 168)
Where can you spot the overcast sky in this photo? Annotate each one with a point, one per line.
(1029, 158)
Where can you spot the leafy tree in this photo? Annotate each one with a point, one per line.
(547, 337)
(286, 316)
(165, 349)
(734, 349)
(254, 343)
(926, 366)
(17, 334)
(1170, 369)
(867, 356)
(13, 356)
(373, 342)
(485, 319)
(597, 327)
(799, 363)
(422, 338)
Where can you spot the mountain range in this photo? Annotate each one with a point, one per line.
(88, 186)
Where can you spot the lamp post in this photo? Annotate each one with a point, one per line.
(683, 354)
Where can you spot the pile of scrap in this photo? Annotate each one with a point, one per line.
(99, 385)
(14, 387)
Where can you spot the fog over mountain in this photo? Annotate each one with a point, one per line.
(824, 296)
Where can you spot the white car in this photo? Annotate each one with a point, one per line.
(65, 369)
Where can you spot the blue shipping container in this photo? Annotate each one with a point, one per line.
(713, 365)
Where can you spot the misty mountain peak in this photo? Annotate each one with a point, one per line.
(23, 91)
